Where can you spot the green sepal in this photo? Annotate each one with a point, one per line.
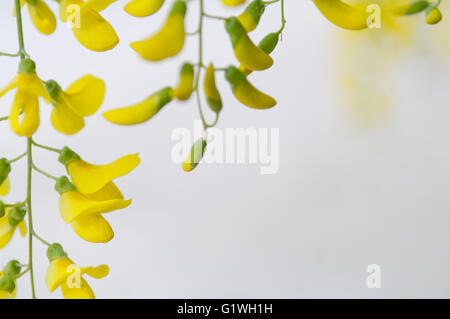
(56, 251)
(53, 88)
(16, 215)
(269, 42)
(5, 169)
(178, 7)
(235, 30)
(7, 283)
(64, 185)
(27, 66)
(12, 268)
(67, 156)
(2, 209)
(187, 68)
(235, 77)
(256, 9)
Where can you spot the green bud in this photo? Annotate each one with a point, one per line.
(53, 89)
(7, 284)
(235, 30)
(16, 215)
(5, 169)
(55, 251)
(433, 16)
(195, 156)
(178, 7)
(2, 209)
(67, 156)
(12, 268)
(27, 66)
(64, 185)
(269, 42)
(254, 10)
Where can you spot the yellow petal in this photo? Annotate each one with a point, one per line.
(27, 123)
(32, 84)
(5, 187)
(96, 272)
(108, 192)
(42, 17)
(93, 228)
(89, 178)
(57, 273)
(143, 8)
(12, 85)
(6, 231)
(231, 3)
(85, 96)
(168, 41)
(65, 120)
(22, 228)
(99, 5)
(73, 205)
(66, 8)
(186, 84)
(342, 14)
(141, 112)
(94, 32)
(84, 292)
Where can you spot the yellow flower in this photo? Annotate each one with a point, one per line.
(5, 294)
(63, 272)
(5, 187)
(12, 220)
(24, 117)
(186, 85)
(342, 14)
(84, 212)
(42, 17)
(88, 178)
(169, 40)
(232, 3)
(245, 50)
(88, 26)
(82, 98)
(245, 92)
(143, 8)
(211, 92)
(141, 112)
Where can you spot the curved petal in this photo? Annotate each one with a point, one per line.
(143, 8)
(5, 187)
(66, 8)
(73, 205)
(64, 120)
(32, 84)
(84, 292)
(96, 272)
(23, 228)
(85, 96)
(6, 231)
(42, 17)
(94, 32)
(27, 123)
(108, 192)
(57, 273)
(93, 228)
(12, 85)
(98, 5)
(89, 178)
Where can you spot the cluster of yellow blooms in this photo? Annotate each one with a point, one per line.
(88, 191)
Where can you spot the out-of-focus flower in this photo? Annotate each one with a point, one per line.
(12, 220)
(42, 17)
(143, 8)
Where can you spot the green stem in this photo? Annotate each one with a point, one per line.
(42, 240)
(44, 173)
(22, 52)
(4, 118)
(30, 218)
(18, 157)
(48, 148)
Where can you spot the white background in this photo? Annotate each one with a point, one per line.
(344, 197)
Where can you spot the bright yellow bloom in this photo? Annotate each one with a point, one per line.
(245, 50)
(232, 3)
(24, 117)
(64, 273)
(143, 8)
(342, 14)
(12, 220)
(186, 85)
(5, 187)
(42, 17)
(88, 26)
(245, 92)
(141, 112)
(89, 178)
(82, 98)
(4, 294)
(169, 41)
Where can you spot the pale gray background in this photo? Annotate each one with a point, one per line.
(344, 197)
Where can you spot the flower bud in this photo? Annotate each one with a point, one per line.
(252, 15)
(434, 16)
(27, 66)
(5, 169)
(16, 215)
(64, 185)
(195, 156)
(7, 283)
(56, 251)
(12, 268)
(186, 85)
(211, 93)
(66, 156)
